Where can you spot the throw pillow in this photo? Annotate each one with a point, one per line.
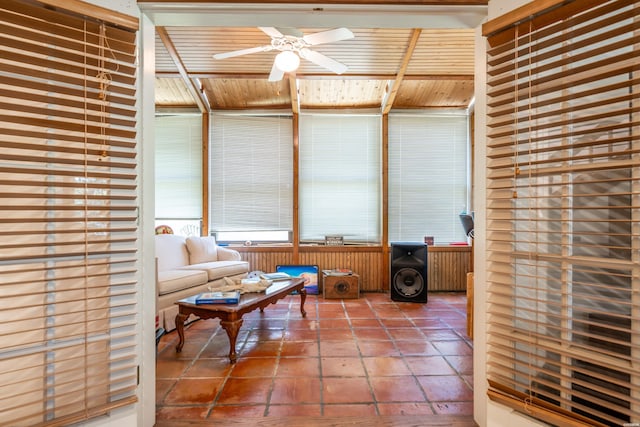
(202, 249)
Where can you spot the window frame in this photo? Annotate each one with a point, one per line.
(423, 136)
(238, 170)
(338, 199)
(178, 161)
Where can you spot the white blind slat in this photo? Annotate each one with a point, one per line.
(178, 166)
(340, 164)
(428, 177)
(251, 164)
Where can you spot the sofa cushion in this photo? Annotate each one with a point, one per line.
(226, 254)
(176, 280)
(171, 251)
(202, 249)
(219, 269)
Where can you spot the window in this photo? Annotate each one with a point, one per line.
(562, 213)
(251, 175)
(69, 205)
(179, 172)
(340, 177)
(428, 176)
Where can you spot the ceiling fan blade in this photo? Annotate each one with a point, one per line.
(290, 31)
(256, 49)
(328, 36)
(323, 61)
(276, 73)
(281, 32)
(271, 32)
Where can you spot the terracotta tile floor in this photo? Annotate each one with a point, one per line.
(365, 357)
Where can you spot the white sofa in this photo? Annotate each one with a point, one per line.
(186, 266)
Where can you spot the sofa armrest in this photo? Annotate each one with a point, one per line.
(227, 254)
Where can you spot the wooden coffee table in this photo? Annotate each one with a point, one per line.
(230, 315)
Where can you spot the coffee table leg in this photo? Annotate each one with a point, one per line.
(303, 298)
(180, 318)
(232, 328)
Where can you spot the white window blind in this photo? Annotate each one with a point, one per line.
(340, 177)
(178, 166)
(68, 202)
(428, 176)
(251, 173)
(562, 213)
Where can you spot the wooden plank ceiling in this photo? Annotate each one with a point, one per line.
(388, 68)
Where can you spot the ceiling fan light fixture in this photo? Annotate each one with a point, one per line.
(287, 61)
(293, 45)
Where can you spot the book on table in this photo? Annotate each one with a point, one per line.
(218, 297)
(276, 276)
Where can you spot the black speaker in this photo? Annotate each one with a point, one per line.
(409, 272)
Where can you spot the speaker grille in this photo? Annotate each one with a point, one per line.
(408, 282)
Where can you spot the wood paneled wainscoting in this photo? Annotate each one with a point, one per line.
(447, 265)
(447, 268)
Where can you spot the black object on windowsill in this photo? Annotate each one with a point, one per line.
(467, 224)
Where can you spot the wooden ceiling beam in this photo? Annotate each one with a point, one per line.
(262, 76)
(415, 35)
(293, 91)
(195, 91)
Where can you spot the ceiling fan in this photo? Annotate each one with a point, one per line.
(293, 45)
